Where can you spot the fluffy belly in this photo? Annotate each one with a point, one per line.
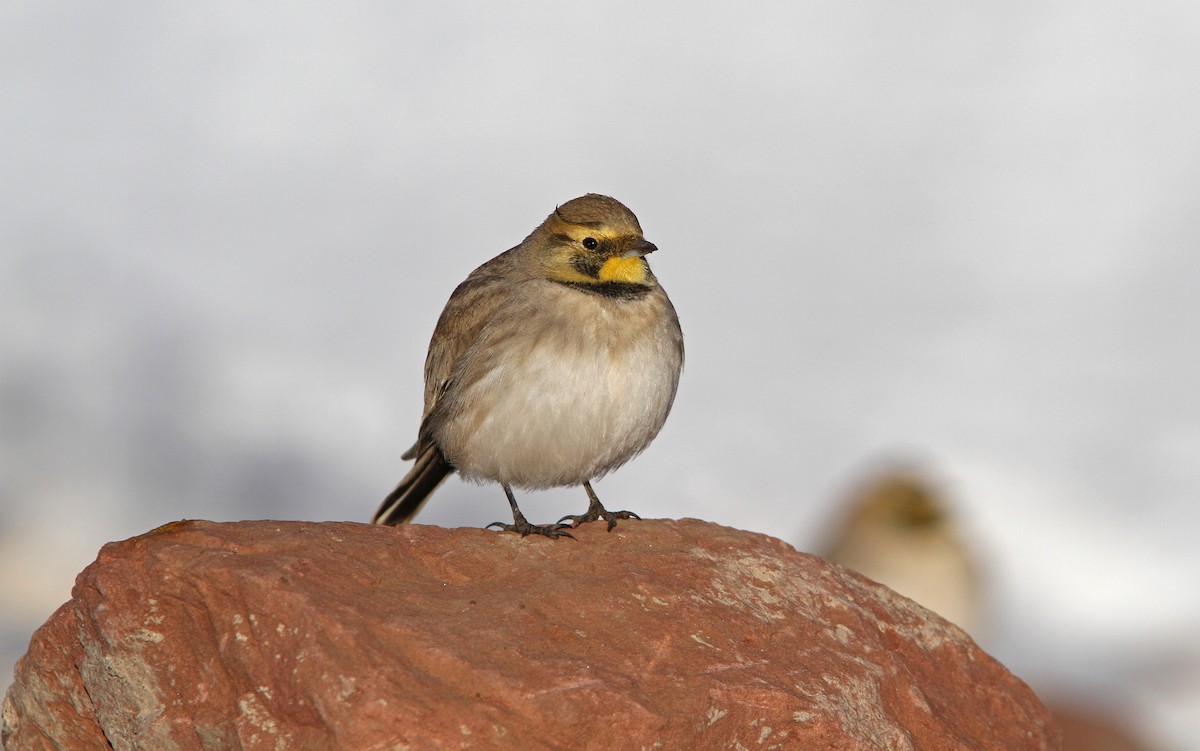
(560, 415)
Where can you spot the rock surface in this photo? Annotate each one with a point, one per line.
(660, 634)
(1086, 728)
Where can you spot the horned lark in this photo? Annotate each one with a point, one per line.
(901, 533)
(553, 364)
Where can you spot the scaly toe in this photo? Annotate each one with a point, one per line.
(612, 516)
(608, 516)
(552, 531)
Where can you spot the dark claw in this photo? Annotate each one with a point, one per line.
(523, 527)
(596, 511)
(608, 516)
(553, 531)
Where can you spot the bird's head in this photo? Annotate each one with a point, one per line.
(595, 243)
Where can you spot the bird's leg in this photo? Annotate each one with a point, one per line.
(596, 511)
(523, 527)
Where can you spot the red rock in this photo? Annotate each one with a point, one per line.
(660, 634)
(1088, 728)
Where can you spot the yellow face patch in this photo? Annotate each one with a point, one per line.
(618, 269)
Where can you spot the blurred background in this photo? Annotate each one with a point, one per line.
(957, 239)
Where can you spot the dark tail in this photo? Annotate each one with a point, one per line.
(408, 497)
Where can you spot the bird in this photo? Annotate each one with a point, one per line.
(551, 365)
(900, 532)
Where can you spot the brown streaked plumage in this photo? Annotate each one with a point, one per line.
(554, 363)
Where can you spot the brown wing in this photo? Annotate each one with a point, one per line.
(468, 310)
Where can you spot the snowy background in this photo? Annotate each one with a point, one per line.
(964, 235)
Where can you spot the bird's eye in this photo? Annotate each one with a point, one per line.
(590, 243)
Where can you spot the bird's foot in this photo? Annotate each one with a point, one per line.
(608, 516)
(525, 529)
(595, 512)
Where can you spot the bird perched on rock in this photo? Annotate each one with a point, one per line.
(553, 364)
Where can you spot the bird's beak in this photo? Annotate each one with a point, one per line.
(639, 249)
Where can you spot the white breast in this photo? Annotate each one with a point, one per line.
(567, 405)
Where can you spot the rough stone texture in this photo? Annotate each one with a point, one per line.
(660, 634)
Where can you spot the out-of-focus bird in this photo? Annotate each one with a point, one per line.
(899, 532)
